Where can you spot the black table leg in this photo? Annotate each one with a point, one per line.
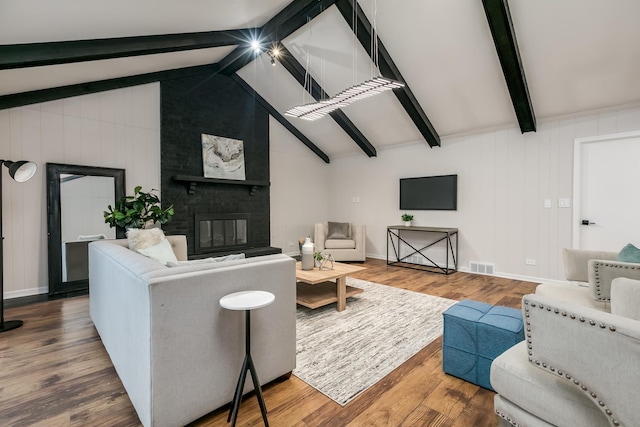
(247, 365)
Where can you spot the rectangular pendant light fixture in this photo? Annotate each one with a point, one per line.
(348, 96)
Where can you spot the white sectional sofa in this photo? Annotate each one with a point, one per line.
(177, 352)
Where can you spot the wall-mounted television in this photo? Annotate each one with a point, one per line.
(429, 193)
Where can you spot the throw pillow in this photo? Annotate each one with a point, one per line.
(162, 252)
(140, 238)
(338, 230)
(629, 254)
(205, 260)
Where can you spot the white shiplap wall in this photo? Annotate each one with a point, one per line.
(118, 129)
(299, 189)
(503, 178)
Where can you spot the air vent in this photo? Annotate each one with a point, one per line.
(482, 267)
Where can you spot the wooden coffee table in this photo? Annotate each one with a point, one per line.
(315, 288)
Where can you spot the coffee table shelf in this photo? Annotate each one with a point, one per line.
(316, 288)
(321, 294)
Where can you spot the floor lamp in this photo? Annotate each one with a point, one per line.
(20, 171)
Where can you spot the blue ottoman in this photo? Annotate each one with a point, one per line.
(475, 333)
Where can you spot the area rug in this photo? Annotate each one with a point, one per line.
(341, 354)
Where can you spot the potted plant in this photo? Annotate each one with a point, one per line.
(317, 256)
(137, 211)
(407, 218)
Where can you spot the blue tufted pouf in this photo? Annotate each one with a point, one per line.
(475, 333)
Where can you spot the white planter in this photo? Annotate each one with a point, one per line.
(407, 223)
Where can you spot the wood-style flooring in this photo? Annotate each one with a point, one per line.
(54, 371)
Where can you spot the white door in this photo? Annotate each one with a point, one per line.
(607, 192)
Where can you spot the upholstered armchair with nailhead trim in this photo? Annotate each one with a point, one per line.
(577, 366)
(590, 274)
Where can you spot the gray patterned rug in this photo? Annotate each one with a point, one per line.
(341, 354)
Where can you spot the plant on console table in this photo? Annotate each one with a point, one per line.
(137, 211)
(407, 218)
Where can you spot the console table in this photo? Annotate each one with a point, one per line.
(395, 241)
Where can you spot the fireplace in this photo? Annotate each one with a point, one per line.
(217, 232)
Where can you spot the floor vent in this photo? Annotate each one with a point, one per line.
(482, 267)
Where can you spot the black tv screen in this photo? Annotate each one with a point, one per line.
(437, 193)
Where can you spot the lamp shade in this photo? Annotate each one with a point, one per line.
(22, 170)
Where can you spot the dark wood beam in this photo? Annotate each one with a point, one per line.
(295, 15)
(298, 72)
(44, 95)
(504, 38)
(39, 54)
(280, 118)
(389, 69)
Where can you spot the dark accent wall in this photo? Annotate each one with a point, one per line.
(215, 105)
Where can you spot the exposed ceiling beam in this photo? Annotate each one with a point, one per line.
(504, 37)
(51, 94)
(298, 72)
(280, 118)
(39, 54)
(389, 69)
(295, 15)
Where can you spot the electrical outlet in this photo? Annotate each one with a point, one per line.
(564, 203)
(547, 203)
(355, 199)
(530, 261)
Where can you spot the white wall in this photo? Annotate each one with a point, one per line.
(117, 129)
(300, 187)
(503, 178)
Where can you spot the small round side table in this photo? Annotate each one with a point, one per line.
(247, 301)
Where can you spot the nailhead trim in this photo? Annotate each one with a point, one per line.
(544, 365)
(507, 418)
(596, 267)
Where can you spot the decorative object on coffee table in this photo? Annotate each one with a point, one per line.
(407, 219)
(307, 255)
(326, 263)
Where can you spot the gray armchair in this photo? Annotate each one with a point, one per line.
(591, 273)
(577, 366)
(350, 248)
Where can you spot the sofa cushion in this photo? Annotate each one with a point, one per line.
(339, 244)
(625, 298)
(572, 293)
(540, 392)
(144, 238)
(196, 268)
(338, 230)
(205, 260)
(162, 252)
(629, 254)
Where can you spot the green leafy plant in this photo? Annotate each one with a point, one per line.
(317, 256)
(407, 217)
(135, 211)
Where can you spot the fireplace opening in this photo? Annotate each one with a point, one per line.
(221, 232)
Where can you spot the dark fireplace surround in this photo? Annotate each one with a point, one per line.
(218, 218)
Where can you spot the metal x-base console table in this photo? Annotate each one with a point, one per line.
(395, 239)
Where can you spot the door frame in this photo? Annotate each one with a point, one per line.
(578, 143)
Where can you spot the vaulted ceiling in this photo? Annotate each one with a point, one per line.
(469, 65)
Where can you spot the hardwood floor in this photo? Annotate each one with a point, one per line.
(54, 371)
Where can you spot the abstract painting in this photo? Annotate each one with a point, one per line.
(222, 157)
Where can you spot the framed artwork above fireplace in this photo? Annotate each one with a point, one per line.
(222, 158)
